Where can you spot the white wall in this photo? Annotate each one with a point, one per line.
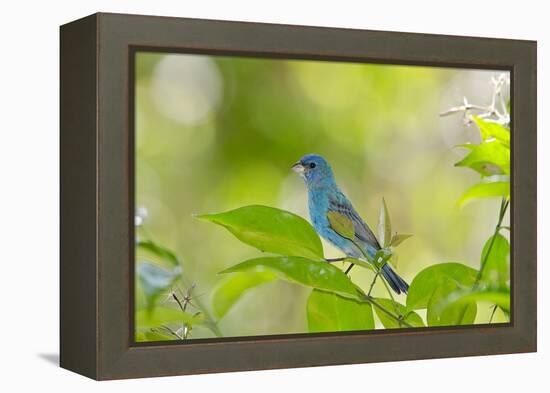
(29, 194)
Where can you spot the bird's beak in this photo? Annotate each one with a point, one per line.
(298, 167)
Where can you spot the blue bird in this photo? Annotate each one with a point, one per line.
(324, 196)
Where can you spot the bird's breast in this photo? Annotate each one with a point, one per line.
(318, 206)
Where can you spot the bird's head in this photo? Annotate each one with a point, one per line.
(315, 171)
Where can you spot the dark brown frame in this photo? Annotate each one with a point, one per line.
(97, 195)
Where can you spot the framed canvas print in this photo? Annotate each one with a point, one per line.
(240, 196)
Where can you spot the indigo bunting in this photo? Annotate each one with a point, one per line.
(324, 196)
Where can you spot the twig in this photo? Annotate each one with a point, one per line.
(490, 111)
(503, 206)
(204, 310)
(169, 330)
(464, 108)
(335, 259)
(178, 301)
(391, 296)
(373, 282)
(398, 319)
(493, 313)
(374, 263)
(199, 305)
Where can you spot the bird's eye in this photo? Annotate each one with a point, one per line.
(312, 165)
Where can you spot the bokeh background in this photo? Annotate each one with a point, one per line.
(215, 133)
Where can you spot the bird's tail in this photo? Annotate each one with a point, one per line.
(396, 283)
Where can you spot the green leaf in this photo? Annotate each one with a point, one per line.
(270, 229)
(496, 271)
(454, 314)
(162, 316)
(140, 336)
(360, 262)
(341, 224)
(397, 239)
(426, 282)
(488, 158)
(390, 323)
(500, 297)
(155, 280)
(382, 256)
(395, 260)
(469, 146)
(489, 129)
(485, 190)
(384, 225)
(437, 282)
(314, 274)
(229, 291)
(148, 336)
(328, 312)
(159, 251)
(159, 336)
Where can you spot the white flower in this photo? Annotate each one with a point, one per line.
(141, 215)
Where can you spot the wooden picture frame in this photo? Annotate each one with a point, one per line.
(97, 205)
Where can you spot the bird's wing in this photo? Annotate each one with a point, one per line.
(363, 233)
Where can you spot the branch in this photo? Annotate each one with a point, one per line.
(398, 319)
(493, 313)
(503, 206)
(199, 305)
(205, 311)
(373, 282)
(497, 100)
(374, 263)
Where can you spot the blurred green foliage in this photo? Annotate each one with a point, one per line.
(218, 133)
